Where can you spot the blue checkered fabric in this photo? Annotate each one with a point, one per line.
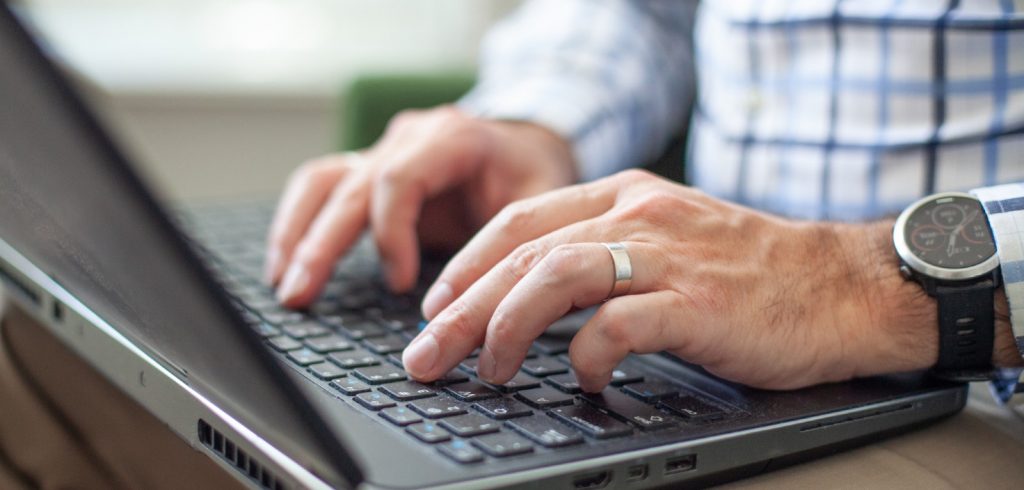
(814, 109)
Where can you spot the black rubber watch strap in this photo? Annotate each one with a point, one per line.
(966, 326)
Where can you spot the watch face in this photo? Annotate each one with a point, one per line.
(950, 232)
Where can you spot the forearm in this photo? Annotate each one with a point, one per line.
(900, 327)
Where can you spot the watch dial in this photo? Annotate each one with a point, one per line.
(950, 232)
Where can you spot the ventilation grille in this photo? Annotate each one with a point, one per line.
(246, 465)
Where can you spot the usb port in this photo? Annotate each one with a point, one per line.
(680, 464)
(592, 481)
(636, 472)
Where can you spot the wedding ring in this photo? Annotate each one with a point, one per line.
(623, 269)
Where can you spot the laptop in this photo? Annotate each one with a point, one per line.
(165, 301)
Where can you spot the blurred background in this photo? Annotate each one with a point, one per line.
(225, 97)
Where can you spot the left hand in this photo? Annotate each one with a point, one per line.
(754, 298)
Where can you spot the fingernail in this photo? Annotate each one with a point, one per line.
(486, 365)
(271, 265)
(294, 282)
(437, 298)
(419, 358)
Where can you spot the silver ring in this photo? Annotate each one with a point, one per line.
(623, 269)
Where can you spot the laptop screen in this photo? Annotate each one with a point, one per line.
(72, 206)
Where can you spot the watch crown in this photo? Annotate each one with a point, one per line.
(906, 272)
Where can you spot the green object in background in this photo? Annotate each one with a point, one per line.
(371, 100)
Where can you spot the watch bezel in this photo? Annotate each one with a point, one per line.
(920, 266)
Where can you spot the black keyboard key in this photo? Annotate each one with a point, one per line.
(453, 377)
(469, 425)
(429, 432)
(327, 371)
(304, 357)
(564, 382)
(408, 390)
(328, 344)
(652, 391)
(437, 407)
(353, 359)
(471, 391)
(544, 397)
(461, 451)
(503, 444)
(552, 345)
(518, 382)
(469, 365)
(502, 408)
(544, 366)
(284, 343)
(400, 416)
(545, 431)
(592, 421)
(377, 375)
(283, 317)
(305, 329)
(692, 408)
(265, 330)
(350, 386)
(622, 377)
(360, 330)
(374, 400)
(386, 344)
(629, 409)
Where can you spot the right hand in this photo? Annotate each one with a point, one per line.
(432, 180)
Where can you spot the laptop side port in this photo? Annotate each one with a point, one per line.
(636, 472)
(680, 464)
(592, 481)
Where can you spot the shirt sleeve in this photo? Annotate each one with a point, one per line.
(613, 77)
(1004, 205)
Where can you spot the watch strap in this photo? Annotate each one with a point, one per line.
(966, 326)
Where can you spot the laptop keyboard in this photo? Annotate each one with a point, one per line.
(351, 340)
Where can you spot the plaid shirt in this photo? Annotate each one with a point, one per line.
(815, 109)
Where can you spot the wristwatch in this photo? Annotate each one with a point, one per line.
(944, 242)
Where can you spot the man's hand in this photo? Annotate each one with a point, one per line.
(432, 180)
(753, 298)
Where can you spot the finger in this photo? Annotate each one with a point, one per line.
(639, 324)
(406, 180)
(306, 192)
(333, 232)
(518, 223)
(461, 326)
(570, 276)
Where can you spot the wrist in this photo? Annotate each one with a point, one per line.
(557, 153)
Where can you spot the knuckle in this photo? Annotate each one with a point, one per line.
(613, 323)
(562, 262)
(393, 174)
(502, 329)
(657, 207)
(634, 176)
(516, 216)
(314, 170)
(458, 324)
(523, 259)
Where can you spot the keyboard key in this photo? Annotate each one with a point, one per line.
(453, 377)
(544, 366)
(376, 375)
(362, 330)
(652, 391)
(353, 359)
(374, 400)
(503, 444)
(622, 377)
(469, 365)
(551, 345)
(386, 344)
(564, 382)
(592, 421)
(350, 386)
(544, 397)
(502, 408)
(400, 416)
(283, 317)
(471, 391)
(437, 407)
(304, 357)
(328, 344)
(327, 371)
(461, 452)
(284, 343)
(469, 425)
(692, 408)
(305, 329)
(518, 383)
(407, 390)
(265, 329)
(545, 431)
(429, 432)
(629, 409)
